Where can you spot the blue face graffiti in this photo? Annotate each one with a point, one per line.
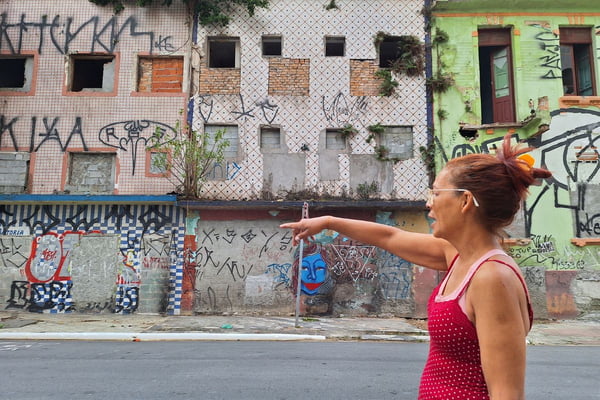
(314, 273)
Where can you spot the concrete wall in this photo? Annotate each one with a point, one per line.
(555, 237)
(247, 264)
(91, 258)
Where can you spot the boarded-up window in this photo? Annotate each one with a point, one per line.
(231, 134)
(270, 138)
(160, 74)
(399, 141)
(91, 173)
(334, 140)
(14, 168)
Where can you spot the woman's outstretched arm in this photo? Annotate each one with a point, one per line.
(418, 248)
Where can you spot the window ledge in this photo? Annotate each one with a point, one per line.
(581, 242)
(490, 128)
(516, 241)
(578, 101)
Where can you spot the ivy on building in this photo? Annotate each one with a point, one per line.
(210, 12)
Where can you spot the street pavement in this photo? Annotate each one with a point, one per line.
(22, 325)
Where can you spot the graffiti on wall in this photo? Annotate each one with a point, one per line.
(43, 131)
(549, 43)
(133, 136)
(570, 150)
(150, 245)
(58, 33)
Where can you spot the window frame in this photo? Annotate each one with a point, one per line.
(332, 40)
(271, 39)
(70, 71)
(138, 76)
(493, 110)
(30, 73)
(223, 39)
(570, 37)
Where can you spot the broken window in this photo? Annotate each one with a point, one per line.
(496, 76)
(92, 73)
(157, 163)
(16, 73)
(160, 74)
(335, 46)
(91, 172)
(576, 61)
(271, 46)
(334, 140)
(270, 138)
(224, 52)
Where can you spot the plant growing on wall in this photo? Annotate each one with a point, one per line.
(188, 158)
(348, 130)
(331, 5)
(388, 83)
(440, 82)
(210, 12)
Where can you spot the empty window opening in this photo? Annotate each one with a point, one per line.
(223, 53)
(334, 140)
(577, 62)
(13, 72)
(389, 49)
(335, 46)
(270, 138)
(16, 73)
(496, 76)
(271, 46)
(94, 73)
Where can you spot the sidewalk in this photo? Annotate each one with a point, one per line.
(138, 327)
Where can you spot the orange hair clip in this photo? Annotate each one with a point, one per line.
(526, 161)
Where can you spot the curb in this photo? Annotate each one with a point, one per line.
(148, 337)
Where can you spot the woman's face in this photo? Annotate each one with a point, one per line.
(444, 206)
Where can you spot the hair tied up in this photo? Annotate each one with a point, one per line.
(526, 162)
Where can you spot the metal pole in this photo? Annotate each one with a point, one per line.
(299, 274)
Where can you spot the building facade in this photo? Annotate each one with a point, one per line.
(530, 68)
(85, 220)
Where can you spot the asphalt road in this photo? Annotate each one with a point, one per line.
(258, 370)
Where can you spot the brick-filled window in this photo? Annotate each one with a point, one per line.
(577, 61)
(223, 52)
(335, 46)
(16, 73)
(91, 72)
(271, 46)
(14, 170)
(91, 172)
(270, 138)
(160, 74)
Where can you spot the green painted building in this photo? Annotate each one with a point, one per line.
(529, 68)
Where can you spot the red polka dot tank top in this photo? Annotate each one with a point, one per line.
(453, 370)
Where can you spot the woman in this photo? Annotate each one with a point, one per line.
(480, 314)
